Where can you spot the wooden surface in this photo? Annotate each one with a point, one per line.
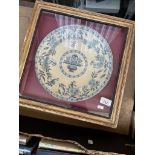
(24, 20)
(102, 140)
(128, 101)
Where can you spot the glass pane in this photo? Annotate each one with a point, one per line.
(74, 63)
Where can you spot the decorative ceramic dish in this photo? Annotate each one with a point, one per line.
(73, 63)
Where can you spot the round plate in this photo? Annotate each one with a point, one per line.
(73, 63)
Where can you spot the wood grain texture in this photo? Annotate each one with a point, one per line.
(25, 14)
(66, 113)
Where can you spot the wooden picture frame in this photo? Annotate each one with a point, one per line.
(68, 113)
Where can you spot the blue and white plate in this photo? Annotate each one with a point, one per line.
(73, 63)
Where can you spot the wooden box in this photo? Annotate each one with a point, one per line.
(69, 113)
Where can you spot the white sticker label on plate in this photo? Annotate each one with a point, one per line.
(105, 101)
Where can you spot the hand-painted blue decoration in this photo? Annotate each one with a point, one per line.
(73, 63)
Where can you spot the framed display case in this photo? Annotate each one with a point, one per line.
(74, 63)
